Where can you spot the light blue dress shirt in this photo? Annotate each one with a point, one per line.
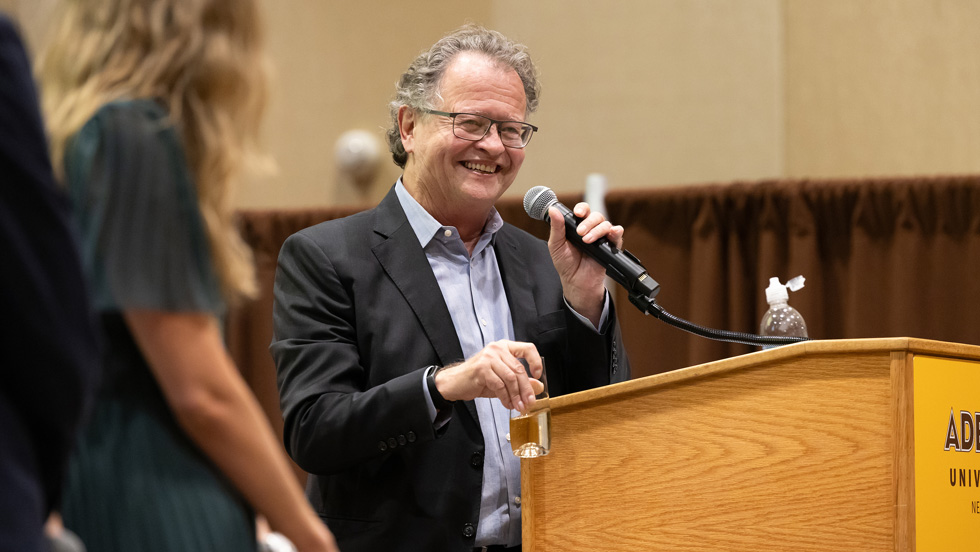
(474, 293)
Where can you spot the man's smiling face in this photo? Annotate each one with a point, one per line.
(453, 174)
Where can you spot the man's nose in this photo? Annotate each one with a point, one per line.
(491, 140)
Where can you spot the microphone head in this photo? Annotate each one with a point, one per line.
(537, 200)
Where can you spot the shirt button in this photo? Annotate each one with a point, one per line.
(517, 500)
(448, 233)
(507, 436)
(483, 321)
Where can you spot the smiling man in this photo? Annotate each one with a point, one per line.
(400, 332)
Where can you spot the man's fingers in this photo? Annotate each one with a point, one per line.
(615, 236)
(518, 387)
(534, 367)
(597, 231)
(529, 353)
(557, 227)
(503, 380)
(500, 370)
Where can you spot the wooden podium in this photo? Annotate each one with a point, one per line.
(803, 447)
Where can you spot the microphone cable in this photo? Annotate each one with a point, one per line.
(650, 306)
(628, 272)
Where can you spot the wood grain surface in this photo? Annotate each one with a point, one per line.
(804, 447)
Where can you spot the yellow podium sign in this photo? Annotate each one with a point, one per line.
(947, 453)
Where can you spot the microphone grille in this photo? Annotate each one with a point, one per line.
(537, 200)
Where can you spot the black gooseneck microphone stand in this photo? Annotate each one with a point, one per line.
(628, 272)
(648, 305)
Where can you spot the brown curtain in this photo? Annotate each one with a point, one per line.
(881, 257)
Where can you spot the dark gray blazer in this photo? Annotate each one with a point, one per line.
(358, 315)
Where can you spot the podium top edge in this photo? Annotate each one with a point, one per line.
(884, 346)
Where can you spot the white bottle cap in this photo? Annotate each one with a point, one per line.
(776, 292)
(796, 284)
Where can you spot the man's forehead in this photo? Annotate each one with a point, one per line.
(474, 76)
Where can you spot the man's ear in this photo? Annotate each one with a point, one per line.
(406, 127)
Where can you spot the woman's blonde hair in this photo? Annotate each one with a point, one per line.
(202, 59)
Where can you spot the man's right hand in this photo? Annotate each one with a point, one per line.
(495, 371)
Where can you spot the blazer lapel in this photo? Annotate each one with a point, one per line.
(513, 270)
(402, 258)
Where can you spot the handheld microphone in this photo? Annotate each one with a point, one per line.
(620, 264)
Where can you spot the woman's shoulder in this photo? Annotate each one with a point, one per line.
(124, 129)
(130, 120)
(136, 108)
(126, 137)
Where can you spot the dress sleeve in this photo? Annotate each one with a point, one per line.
(143, 237)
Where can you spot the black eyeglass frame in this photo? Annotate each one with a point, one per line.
(492, 123)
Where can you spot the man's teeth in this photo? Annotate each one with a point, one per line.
(481, 168)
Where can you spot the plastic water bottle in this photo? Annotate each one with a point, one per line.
(782, 319)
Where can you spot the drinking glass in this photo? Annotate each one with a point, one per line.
(530, 431)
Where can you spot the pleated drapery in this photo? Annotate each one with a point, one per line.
(882, 258)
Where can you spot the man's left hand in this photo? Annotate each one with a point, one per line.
(582, 278)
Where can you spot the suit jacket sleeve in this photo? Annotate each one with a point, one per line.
(598, 358)
(338, 410)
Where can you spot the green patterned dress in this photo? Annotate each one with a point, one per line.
(136, 481)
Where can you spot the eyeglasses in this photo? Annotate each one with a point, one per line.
(513, 134)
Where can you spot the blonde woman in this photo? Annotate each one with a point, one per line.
(153, 106)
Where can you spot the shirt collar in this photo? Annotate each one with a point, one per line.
(426, 226)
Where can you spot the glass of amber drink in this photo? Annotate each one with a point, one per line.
(530, 431)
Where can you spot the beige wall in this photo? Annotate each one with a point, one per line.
(649, 92)
(652, 92)
(31, 15)
(882, 87)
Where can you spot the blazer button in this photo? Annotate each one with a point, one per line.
(382, 446)
(469, 531)
(392, 442)
(476, 460)
(411, 436)
(402, 440)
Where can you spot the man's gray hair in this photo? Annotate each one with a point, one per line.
(419, 84)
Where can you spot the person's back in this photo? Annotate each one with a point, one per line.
(138, 481)
(48, 346)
